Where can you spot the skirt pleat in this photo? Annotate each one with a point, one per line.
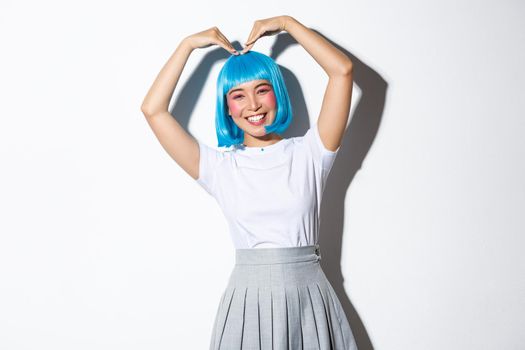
(309, 323)
(280, 299)
(322, 324)
(250, 336)
(265, 311)
(293, 307)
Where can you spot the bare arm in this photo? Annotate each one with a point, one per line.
(335, 109)
(177, 142)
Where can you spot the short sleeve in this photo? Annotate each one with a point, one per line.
(323, 156)
(209, 160)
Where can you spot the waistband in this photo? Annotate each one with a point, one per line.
(281, 255)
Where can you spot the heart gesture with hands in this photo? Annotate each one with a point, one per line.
(213, 36)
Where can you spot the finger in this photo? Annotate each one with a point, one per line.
(226, 45)
(249, 44)
(253, 34)
(255, 38)
(221, 40)
(227, 42)
(247, 48)
(259, 34)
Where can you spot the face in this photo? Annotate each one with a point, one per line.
(256, 99)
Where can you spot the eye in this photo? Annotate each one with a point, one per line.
(264, 90)
(237, 97)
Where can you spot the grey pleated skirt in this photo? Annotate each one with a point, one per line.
(280, 298)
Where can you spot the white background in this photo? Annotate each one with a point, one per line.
(107, 244)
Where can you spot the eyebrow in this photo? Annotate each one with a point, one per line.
(256, 86)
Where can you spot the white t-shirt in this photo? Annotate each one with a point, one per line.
(270, 196)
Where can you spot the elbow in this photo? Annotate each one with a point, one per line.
(348, 68)
(146, 110)
(343, 70)
(152, 108)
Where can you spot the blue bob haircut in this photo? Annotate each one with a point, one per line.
(239, 69)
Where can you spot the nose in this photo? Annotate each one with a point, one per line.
(254, 104)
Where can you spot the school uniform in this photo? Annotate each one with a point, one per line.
(277, 296)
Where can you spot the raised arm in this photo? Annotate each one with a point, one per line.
(177, 142)
(335, 108)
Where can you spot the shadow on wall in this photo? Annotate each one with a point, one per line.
(357, 140)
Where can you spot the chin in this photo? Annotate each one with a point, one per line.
(260, 133)
(252, 132)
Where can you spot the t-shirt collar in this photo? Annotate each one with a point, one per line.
(261, 150)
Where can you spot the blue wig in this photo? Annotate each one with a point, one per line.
(240, 69)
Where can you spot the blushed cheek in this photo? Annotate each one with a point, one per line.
(234, 108)
(269, 99)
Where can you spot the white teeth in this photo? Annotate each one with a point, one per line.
(256, 117)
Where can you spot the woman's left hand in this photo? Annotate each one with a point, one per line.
(265, 27)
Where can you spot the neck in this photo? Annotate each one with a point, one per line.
(262, 141)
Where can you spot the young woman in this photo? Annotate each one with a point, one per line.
(268, 187)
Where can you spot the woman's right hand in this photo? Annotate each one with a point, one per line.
(209, 37)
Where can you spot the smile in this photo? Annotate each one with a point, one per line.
(257, 119)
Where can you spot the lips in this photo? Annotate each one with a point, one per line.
(258, 122)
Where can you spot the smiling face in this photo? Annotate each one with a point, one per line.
(255, 99)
